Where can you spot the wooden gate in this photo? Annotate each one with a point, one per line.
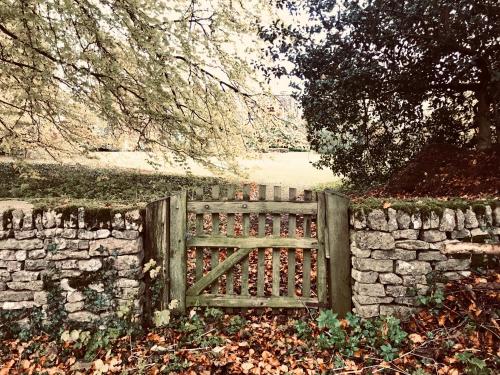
(258, 247)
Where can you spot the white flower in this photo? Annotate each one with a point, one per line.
(161, 318)
(154, 272)
(173, 304)
(150, 264)
(65, 336)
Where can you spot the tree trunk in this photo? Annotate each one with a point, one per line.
(482, 120)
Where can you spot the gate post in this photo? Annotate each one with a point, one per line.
(337, 228)
(156, 247)
(178, 260)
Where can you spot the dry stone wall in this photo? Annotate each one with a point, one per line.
(70, 250)
(396, 255)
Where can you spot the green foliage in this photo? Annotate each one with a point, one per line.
(236, 324)
(55, 306)
(175, 365)
(109, 330)
(473, 365)
(213, 315)
(27, 323)
(90, 341)
(303, 329)
(434, 299)
(388, 353)
(327, 319)
(195, 329)
(382, 79)
(9, 323)
(51, 247)
(87, 339)
(83, 76)
(98, 301)
(335, 336)
(383, 334)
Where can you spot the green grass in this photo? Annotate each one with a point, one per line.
(53, 185)
(68, 187)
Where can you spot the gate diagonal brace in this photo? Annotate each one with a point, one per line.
(218, 271)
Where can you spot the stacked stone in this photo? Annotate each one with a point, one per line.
(396, 256)
(34, 245)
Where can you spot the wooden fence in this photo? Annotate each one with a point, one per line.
(258, 247)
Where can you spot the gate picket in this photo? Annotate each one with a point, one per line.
(214, 253)
(199, 231)
(306, 270)
(276, 251)
(261, 262)
(245, 266)
(229, 251)
(292, 227)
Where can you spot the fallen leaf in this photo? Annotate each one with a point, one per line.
(218, 349)
(247, 366)
(416, 338)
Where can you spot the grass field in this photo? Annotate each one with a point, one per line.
(133, 178)
(66, 184)
(287, 169)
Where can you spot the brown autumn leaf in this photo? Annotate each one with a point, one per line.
(442, 319)
(416, 338)
(246, 367)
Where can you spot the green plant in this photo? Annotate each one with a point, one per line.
(383, 334)
(420, 206)
(210, 341)
(339, 362)
(236, 324)
(88, 339)
(97, 301)
(334, 336)
(394, 334)
(473, 365)
(388, 352)
(175, 364)
(434, 299)
(303, 329)
(213, 315)
(197, 332)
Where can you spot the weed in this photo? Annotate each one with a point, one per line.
(213, 315)
(303, 329)
(473, 365)
(175, 365)
(236, 324)
(434, 299)
(383, 334)
(388, 353)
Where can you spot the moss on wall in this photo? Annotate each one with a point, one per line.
(424, 206)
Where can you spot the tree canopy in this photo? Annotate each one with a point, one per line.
(168, 75)
(383, 78)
